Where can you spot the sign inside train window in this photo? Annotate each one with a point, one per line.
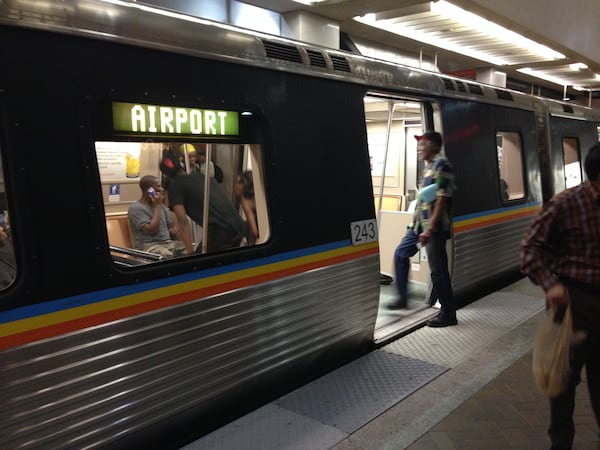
(160, 119)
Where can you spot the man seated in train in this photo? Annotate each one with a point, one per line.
(151, 228)
(431, 227)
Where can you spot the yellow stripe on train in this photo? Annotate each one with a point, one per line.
(224, 280)
(492, 219)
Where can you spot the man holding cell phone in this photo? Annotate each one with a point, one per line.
(151, 228)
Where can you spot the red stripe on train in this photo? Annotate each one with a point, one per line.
(129, 311)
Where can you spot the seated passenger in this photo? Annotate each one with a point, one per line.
(149, 221)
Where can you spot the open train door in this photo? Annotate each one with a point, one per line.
(392, 125)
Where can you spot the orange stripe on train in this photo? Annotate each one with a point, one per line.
(172, 300)
(485, 223)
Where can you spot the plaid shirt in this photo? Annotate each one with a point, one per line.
(440, 172)
(564, 240)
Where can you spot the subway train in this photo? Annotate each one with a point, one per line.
(106, 344)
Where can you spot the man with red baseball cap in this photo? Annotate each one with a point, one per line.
(431, 227)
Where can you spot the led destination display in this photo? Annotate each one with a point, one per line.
(158, 119)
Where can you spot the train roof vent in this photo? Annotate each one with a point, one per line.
(568, 108)
(316, 58)
(503, 95)
(461, 86)
(340, 63)
(282, 51)
(449, 84)
(475, 89)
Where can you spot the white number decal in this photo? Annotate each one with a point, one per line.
(363, 231)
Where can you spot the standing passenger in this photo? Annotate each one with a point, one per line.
(194, 167)
(202, 162)
(226, 229)
(561, 253)
(431, 227)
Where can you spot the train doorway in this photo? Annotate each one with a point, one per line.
(392, 126)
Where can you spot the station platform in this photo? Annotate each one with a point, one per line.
(462, 387)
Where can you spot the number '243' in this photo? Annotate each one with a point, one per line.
(363, 231)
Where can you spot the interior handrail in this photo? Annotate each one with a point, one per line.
(138, 253)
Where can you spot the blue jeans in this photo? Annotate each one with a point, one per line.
(438, 264)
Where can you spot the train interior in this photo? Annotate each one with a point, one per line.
(123, 164)
(392, 127)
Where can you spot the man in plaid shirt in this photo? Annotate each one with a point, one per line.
(561, 253)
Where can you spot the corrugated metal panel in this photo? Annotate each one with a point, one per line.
(84, 389)
(489, 250)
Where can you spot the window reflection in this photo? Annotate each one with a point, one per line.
(511, 181)
(8, 266)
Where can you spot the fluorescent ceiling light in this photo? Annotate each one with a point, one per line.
(577, 66)
(444, 25)
(308, 2)
(565, 75)
(544, 76)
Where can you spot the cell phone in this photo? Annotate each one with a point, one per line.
(151, 192)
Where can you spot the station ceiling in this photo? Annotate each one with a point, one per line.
(437, 32)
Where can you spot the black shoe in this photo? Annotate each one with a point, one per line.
(397, 304)
(442, 321)
(385, 279)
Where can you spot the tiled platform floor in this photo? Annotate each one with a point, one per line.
(508, 413)
(465, 387)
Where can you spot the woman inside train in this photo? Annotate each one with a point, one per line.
(244, 191)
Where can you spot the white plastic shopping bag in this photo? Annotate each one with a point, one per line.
(551, 352)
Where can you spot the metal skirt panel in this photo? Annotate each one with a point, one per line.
(86, 389)
(483, 253)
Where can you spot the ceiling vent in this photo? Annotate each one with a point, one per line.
(316, 58)
(503, 95)
(340, 63)
(448, 84)
(462, 87)
(568, 109)
(475, 89)
(282, 51)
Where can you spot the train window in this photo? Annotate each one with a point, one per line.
(511, 180)
(8, 267)
(572, 162)
(148, 185)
